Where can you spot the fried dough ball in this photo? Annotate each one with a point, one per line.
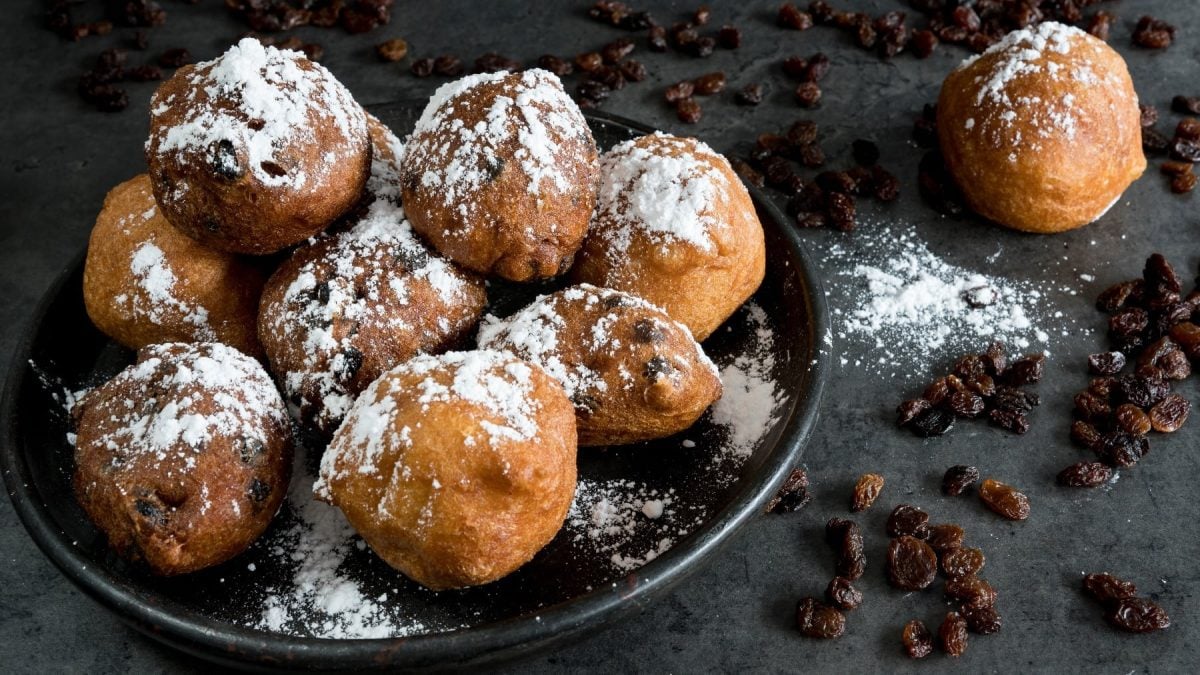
(256, 150)
(349, 306)
(499, 174)
(1042, 132)
(183, 458)
(455, 469)
(633, 373)
(674, 225)
(145, 282)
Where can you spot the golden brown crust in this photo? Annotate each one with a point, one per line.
(144, 282)
(341, 311)
(1042, 132)
(674, 225)
(249, 163)
(183, 459)
(499, 174)
(633, 373)
(456, 469)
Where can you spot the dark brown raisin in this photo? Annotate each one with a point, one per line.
(709, 84)
(1100, 24)
(615, 51)
(971, 592)
(1138, 615)
(932, 422)
(1085, 435)
(448, 65)
(1119, 449)
(421, 68)
(841, 210)
(1143, 392)
(953, 634)
(885, 186)
(1169, 414)
(983, 620)
(965, 404)
(1188, 129)
(559, 66)
(917, 640)
(751, 94)
(846, 539)
(1115, 297)
(392, 50)
(996, 359)
(908, 521)
(1132, 419)
(1085, 474)
(1149, 114)
(866, 491)
(911, 563)
(1183, 183)
(962, 562)
(1010, 420)
(958, 478)
(688, 111)
(1004, 499)
(1108, 589)
(792, 17)
(1091, 408)
(1188, 105)
(1027, 370)
(1153, 33)
(1153, 142)
(817, 620)
(808, 94)
(589, 62)
(945, 537)
(1185, 150)
(679, 91)
(1160, 276)
(793, 495)
(923, 43)
(658, 39)
(729, 37)
(842, 594)
(1106, 363)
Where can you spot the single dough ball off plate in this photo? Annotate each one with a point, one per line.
(353, 304)
(1042, 132)
(633, 373)
(145, 282)
(455, 469)
(183, 458)
(256, 150)
(674, 225)
(499, 174)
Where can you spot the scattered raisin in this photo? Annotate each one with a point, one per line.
(392, 50)
(792, 17)
(1188, 105)
(448, 66)
(421, 67)
(1027, 370)
(1107, 588)
(866, 491)
(983, 620)
(817, 620)
(1004, 499)
(911, 563)
(793, 495)
(1153, 33)
(1169, 414)
(917, 640)
(729, 37)
(680, 91)
(945, 537)
(1138, 615)
(1132, 419)
(953, 634)
(958, 478)
(1119, 449)
(842, 594)
(808, 94)
(1085, 474)
(1106, 363)
(1011, 420)
(709, 84)
(688, 111)
(962, 562)
(751, 94)
(908, 521)
(846, 539)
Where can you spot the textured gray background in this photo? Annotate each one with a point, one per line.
(58, 158)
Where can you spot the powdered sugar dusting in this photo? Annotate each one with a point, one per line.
(153, 276)
(319, 599)
(536, 112)
(355, 280)
(1034, 52)
(748, 407)
(498, 384)
(260, 100)
(907, 307)
(661, 187)
(176, 379)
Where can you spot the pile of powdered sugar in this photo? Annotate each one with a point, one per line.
(748, 408)
(902, 307)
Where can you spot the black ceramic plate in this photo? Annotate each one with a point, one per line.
(565, 590)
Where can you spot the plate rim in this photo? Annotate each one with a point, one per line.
(231, 644)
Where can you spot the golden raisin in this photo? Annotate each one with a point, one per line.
(866, 491)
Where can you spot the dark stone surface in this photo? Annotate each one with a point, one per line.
(60, 157)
